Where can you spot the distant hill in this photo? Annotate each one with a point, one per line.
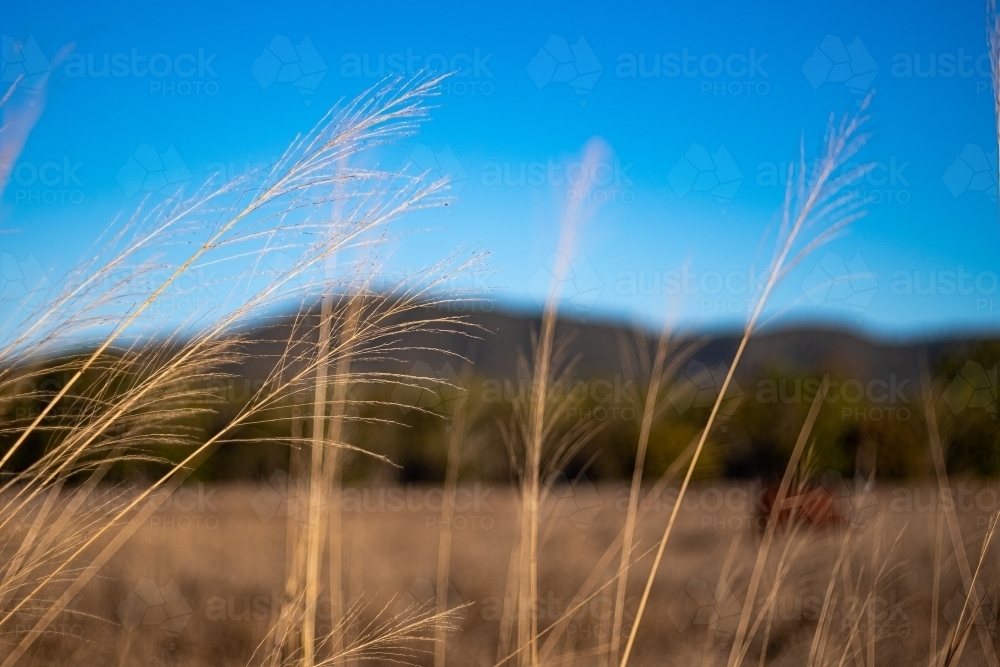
(875, 417)
(800, 351)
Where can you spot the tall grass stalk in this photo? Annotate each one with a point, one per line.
(586, 590)
(936, 585)
(457, 433)
(317, 488)
(293, 546)
(537, 417)
(140, 390)
(298, 177)
(821, 202)
(929, 403)
(972, 612)
(581, 602)
(648, 412)
(740, 641)
(332, 475)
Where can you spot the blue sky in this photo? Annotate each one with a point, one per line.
(702, 105)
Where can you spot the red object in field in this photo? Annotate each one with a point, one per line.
(810, 506)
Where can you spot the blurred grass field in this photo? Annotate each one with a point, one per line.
(200, 582)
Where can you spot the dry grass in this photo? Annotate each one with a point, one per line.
(306, 574)
(226, 562)
(140, 383)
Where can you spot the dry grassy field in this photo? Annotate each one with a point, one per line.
(202, 582)
(99, 383)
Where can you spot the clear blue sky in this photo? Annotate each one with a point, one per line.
(701, 104)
